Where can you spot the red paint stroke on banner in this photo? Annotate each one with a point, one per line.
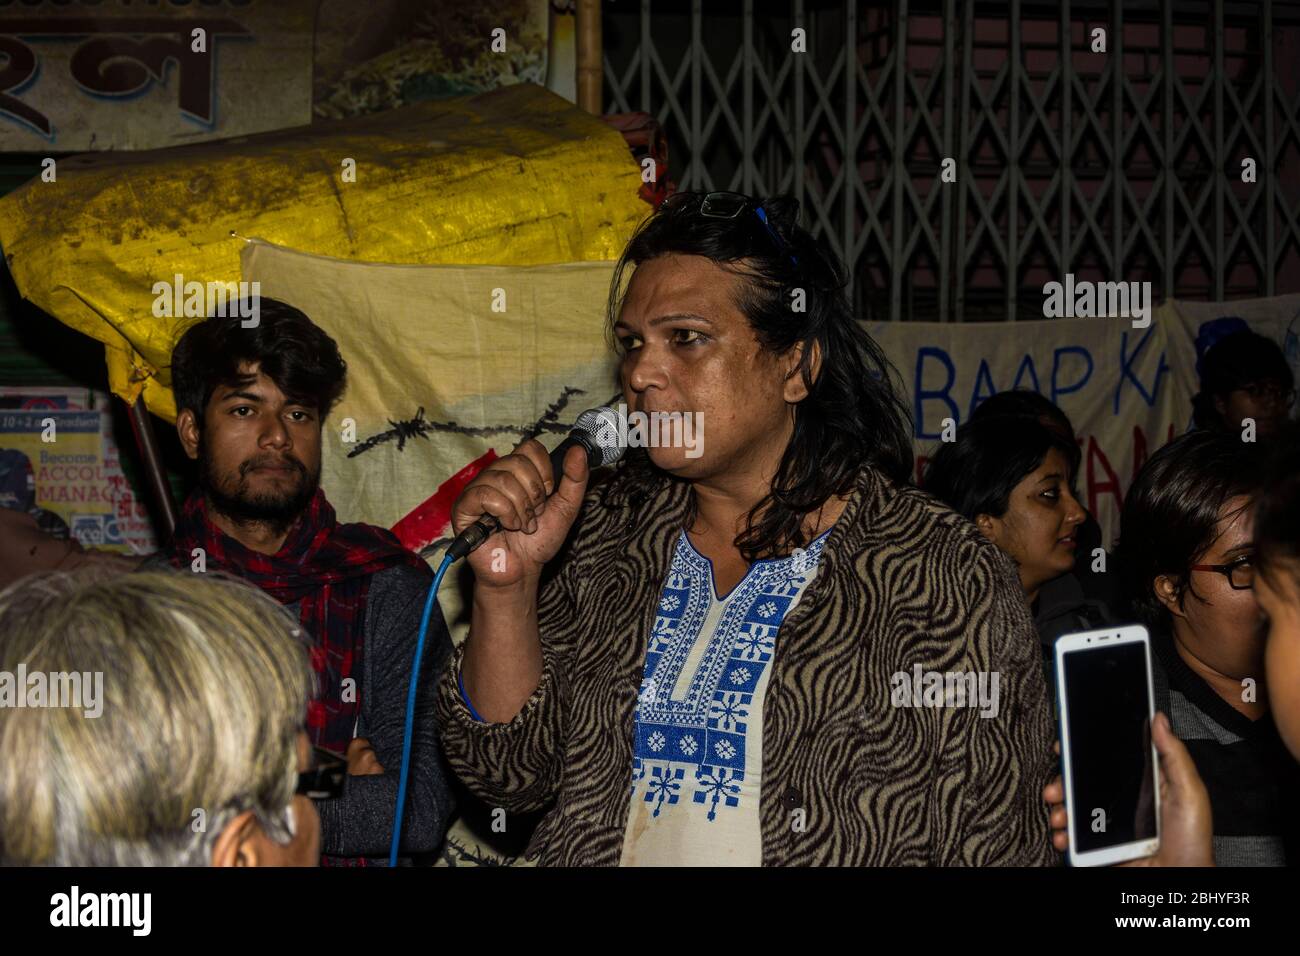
(428, 520)
(1096, 487)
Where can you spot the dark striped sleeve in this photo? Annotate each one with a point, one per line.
(516, 765)
(1001, 817)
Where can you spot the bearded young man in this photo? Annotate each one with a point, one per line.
(699, 661)
(251, 406)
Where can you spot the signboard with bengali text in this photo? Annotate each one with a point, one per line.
(115, 74)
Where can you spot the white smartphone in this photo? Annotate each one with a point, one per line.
(1105, 701)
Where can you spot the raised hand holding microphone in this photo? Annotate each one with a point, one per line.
(535, 517)
(597, 432)
(503, 653)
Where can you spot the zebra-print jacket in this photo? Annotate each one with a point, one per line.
(854, 773)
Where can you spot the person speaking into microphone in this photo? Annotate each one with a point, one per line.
(724, 651)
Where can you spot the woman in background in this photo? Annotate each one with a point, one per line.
(1187, 555)
(1187, 829)
(1013, 477)
(1094, 575)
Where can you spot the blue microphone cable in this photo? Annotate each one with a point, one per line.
(605, 449)
(410, 706)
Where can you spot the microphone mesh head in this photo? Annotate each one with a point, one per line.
(601, 425)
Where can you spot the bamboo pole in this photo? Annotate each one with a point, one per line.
(590, 67)
(155, 475)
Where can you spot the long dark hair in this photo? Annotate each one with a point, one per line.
(852, 415)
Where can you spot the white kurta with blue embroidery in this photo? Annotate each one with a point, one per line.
(698, 753)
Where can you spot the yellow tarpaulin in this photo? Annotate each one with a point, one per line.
(516, 177)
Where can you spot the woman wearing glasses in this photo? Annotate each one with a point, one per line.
(1186, 552)
(728, 655)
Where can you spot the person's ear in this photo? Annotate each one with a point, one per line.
(1166, 592)
(240, 843)
(1220, 405)
(989, 526)
(796, 390)
(187, 429)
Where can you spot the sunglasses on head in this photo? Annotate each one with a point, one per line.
(729, 205)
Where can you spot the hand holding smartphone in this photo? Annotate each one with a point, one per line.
(1105, 701)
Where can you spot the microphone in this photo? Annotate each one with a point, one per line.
(596, 430)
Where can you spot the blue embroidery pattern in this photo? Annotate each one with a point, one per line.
(704, 730)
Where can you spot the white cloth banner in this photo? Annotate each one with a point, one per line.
(1127, 390)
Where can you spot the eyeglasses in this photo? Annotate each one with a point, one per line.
(1269, 390)
(728, 205)
(1240, 572)
(324, 780)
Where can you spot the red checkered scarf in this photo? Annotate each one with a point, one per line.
(325, 565)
